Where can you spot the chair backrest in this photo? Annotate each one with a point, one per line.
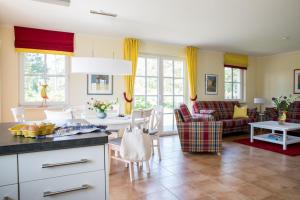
(58, 115)
(141, 118)
(18, 113)
(156, 119)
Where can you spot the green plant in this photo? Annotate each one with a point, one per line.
(282, 103)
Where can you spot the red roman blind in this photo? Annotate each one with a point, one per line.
(43, 41)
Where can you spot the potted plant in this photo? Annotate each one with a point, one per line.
(282, 104)
(100, 107)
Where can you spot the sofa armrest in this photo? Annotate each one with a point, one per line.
(203, 127)
(271, 113)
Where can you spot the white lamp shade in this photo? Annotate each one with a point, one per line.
(103, 66)
(259, 100)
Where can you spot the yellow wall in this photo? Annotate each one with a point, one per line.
(84, 45)
(275, 74)
(209, 62)
(212, 62)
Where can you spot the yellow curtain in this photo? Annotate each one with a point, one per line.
(131, 49)
(235, 60)
(191, 61)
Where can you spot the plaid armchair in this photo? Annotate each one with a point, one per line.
(198, 134)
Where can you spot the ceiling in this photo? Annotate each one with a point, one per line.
(255, 27)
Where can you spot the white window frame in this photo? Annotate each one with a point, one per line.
(49, 103)
(242, 84)
(145, 56)
(160, 77)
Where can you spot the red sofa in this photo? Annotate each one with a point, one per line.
(223, 111)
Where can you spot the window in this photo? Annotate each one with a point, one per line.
(160, 81)
(173, 90)
(146, 83)
(234, 87)
(38, 69)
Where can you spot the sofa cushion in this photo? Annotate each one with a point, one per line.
(185, 113)
(293, 115)
(229, 123)
(240, 112)
(224, 109)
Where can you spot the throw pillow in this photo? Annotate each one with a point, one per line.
(240, 112)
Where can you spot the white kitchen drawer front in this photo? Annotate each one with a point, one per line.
(9, 192)
(48, 164)
(9, 171)
(84, 186)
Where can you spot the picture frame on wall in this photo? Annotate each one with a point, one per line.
(296, 81)
(99, 84)
(211, 84)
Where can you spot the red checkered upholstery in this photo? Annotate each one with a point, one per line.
(224, 113)
(186, 115)
(202, 136)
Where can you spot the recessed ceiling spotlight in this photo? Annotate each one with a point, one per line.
(101, 12)
(285, 37)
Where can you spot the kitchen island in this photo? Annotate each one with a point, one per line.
(70, 167)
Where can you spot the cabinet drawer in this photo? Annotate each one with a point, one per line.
(88, 186)
(8, 172)
(48, 164)
(9, 192)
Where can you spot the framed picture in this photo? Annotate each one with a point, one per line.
(297, 81)
(99, 84)
(211, 84)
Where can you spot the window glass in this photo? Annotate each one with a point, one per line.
(39, 69)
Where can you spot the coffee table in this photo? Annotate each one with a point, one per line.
(284, 140)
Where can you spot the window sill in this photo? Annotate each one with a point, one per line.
(49, 107)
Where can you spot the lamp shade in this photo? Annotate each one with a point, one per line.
(259, 100)
(103, 66)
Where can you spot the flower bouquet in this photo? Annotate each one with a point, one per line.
(100, 107)
(282, 104)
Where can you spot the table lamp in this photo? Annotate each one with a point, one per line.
(260, 102)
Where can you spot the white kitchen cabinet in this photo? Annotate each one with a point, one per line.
(9, 192)
(48, 164)
(9, 171)
(66, 174)
(83, 186)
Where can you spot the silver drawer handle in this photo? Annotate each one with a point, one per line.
(83, 187)
(64, 163)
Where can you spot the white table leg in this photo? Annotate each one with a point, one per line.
(284, 139)
(252, 133)
(273, 131)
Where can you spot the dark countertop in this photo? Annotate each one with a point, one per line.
(10, 144)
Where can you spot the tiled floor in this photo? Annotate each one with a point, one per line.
(240, 173)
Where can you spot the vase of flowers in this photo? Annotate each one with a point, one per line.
(282, 105)
(100, 107)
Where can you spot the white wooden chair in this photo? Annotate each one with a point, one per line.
(156, 128)
(18, 113)
(140, 120)
(52, 115)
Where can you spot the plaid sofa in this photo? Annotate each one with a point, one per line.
(223, 111)
(293, 114)
(198, 134)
